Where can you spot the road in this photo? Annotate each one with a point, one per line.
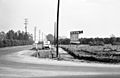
(13, 69)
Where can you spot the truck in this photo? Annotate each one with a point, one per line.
(46, 45)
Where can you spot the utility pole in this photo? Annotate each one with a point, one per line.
(57, 47)
(42, 39)
(42, 36)
(55, 32)
(35, 34)
(26, 23)
(39, 35)
(36, 42)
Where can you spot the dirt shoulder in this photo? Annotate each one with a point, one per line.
(25, 57)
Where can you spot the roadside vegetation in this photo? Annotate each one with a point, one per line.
(105, 54)
(103, 50)
(43, 52)
(12, 38)
(93, 41)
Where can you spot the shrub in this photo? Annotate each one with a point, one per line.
(96, 43)
(8, 42)
(116, 43)
(1, 43)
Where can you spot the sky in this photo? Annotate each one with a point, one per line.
(97, 18)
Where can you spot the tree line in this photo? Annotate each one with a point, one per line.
(91, 41)
(94, 41)
(100, 41)
(12, 38)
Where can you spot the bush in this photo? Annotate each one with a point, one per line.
(96, 43)
(43, 54)
(8, 42)
(107, 55)
(1, 43)
(116, 43)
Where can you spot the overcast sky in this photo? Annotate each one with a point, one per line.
(97, 18)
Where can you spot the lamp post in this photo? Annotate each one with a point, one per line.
(57, 50)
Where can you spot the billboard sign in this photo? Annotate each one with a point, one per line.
(74, 36)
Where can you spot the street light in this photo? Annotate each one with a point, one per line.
(57, 50)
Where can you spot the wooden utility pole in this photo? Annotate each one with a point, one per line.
(35, 39)
(55, 32)
(42, 37)
(57, 47)
(35, 34)
(39, 35)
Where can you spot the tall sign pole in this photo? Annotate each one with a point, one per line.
(57, 50)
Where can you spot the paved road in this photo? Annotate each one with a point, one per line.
(11, 69)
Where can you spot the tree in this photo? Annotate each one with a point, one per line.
(10, 35)
(20, 35)
(30, 37)
(16, 36)
(26, 36)
(64, 41)
(2, 35)
(106, 40)
(50, 38)
(112, 39)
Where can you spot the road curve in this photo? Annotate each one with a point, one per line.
(15, 64)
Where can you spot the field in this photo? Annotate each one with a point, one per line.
(102, 54)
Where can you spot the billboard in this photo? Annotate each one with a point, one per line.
(74, 36)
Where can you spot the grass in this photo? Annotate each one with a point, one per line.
(105, 54)
(43, 53)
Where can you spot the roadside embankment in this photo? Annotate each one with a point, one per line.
(25, 57)
(98, 54)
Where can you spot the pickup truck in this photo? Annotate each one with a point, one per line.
(46, 45)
